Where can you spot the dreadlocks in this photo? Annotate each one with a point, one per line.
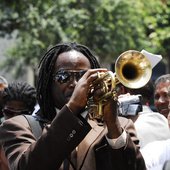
(46, 67)
(20, 91)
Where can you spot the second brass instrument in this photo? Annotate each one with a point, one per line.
(132, 69)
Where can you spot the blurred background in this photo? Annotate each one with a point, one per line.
(109, 27)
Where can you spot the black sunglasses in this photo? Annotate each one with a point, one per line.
(65, 76)
(11, 112)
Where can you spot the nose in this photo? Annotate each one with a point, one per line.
(73, 82)
(161, 100)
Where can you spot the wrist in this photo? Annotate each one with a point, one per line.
(74, 108)
(114, 129)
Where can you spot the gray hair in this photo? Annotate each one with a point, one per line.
(162, 79)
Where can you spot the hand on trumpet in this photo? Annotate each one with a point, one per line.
(111, 119)
(81, 90)
(104, 103)
(106, 111)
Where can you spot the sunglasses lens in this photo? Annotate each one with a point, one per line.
(79, 74)
(64, 76)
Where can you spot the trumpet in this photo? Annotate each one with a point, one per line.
(132, 69)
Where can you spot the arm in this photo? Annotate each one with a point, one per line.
(127, 157)
(50, 150)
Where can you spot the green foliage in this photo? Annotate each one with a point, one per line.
(109, 27)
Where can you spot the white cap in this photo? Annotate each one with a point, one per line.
(153, 58)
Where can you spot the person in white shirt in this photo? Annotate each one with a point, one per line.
(150, 125)
(156, 154)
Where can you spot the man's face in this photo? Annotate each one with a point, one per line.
(69, 68)
(162, 98)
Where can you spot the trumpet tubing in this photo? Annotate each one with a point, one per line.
(132, 69)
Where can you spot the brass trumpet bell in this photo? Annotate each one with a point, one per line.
(133, 69)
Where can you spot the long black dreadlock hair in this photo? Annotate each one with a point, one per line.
(46, 67)
(20, 91)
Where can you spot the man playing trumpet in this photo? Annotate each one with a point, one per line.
(70, 139)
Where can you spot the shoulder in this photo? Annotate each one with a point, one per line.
(128, 126)
(15, 127)
(125, 122)
(16, 121)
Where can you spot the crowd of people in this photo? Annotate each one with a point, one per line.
(51, 126)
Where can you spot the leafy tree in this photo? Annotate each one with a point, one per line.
(109, 27)
(157, 24)
(39, 24)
